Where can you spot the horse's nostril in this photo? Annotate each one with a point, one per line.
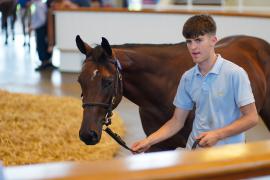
(90, 138)
(94, 136)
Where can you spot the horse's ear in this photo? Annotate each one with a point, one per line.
(106, 46)
(83, 47)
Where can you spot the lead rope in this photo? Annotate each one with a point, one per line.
(195, 144)
(107, 120)
(118, 139)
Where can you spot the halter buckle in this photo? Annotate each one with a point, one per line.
(107, 119)
(120, 77)
(113, 99)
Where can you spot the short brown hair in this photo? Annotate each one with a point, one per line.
(199, 25)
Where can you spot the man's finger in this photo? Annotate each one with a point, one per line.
(203, 142)
(135, 146)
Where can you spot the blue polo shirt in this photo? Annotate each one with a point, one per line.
(217, 98)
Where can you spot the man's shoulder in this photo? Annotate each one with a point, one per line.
(189, 73)
(231, 68)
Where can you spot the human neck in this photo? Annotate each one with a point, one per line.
(207, 65)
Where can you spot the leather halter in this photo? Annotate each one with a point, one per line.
(109, 106)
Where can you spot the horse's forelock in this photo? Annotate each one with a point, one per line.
(99, 55)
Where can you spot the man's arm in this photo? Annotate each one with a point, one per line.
(170, 128)
(248, 120)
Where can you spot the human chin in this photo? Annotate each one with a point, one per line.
(196, 59)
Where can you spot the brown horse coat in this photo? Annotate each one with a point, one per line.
(151, 74)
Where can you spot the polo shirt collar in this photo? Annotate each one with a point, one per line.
(215, 69)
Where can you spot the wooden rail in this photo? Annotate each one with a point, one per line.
(180, 11)
(227, 162)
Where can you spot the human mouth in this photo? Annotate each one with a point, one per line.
(195, 54)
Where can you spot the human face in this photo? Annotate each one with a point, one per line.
(201, 48)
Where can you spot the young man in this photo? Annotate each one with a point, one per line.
(219, 89)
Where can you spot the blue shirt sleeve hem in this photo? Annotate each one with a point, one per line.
(184, 106)
(246, 101)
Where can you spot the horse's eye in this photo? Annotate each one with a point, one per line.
(107, 82)
(81, 95)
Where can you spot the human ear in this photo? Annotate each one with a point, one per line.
(213, 40)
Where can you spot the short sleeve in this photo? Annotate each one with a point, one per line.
(242, 88)
(182, 98)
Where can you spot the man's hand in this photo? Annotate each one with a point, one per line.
(141, 146)
(50, 49)
(248, 120)
(208, 139)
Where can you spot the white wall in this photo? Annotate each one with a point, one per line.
(248, 2)
(130, 27)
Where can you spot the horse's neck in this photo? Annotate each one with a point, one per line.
(147, 77)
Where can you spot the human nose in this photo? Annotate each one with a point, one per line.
(193, 45)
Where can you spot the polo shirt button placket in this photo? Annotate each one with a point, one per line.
(204, 84)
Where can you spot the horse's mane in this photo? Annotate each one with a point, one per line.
(144, 45)
(98, 53)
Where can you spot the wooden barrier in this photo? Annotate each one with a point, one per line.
(227, 162)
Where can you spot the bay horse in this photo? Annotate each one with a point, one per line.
(8, 9)
(150, 77)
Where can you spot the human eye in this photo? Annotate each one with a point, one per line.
(198, 40)
(188, 41)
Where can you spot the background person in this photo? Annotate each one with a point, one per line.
(39, 24)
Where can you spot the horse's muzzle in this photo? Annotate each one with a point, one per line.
(89, 138)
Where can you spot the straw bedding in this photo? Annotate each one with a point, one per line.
(35, 129)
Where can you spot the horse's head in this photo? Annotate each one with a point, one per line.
(101, 86)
